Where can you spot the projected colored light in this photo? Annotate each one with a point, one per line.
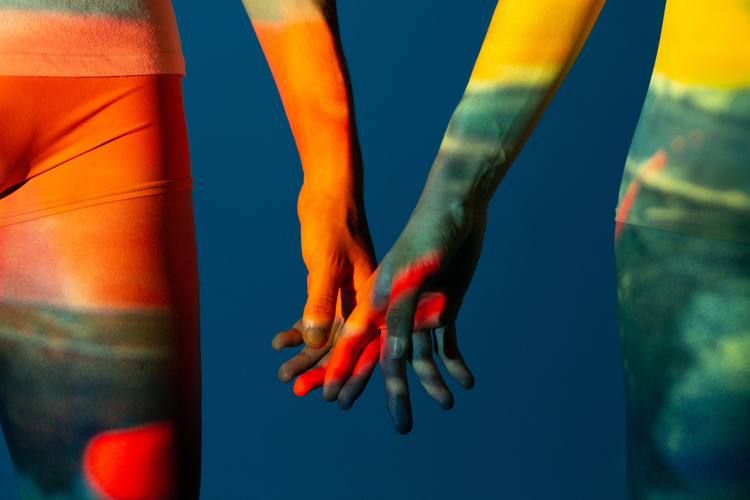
(132, 464)
(410, 278)
(656, 163)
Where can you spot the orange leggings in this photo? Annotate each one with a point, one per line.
(99, 319)
(94, 140)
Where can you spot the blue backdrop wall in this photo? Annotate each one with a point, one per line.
(538, 326)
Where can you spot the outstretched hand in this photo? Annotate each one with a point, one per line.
(309, 366)
(418, 287)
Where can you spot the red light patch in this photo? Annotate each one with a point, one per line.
(132, 464)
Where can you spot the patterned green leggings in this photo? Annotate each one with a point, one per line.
(684, 312)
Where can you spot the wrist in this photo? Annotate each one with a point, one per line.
(334, 217)
(337, 179)
(336, 203)
(331, 158)
(473, 156)
(462, 182)
(486, 131)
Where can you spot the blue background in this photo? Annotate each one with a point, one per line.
(538, 326)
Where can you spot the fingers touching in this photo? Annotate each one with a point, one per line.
(358, 331)
(310, 365)
(361, 374)
(320, 309)
(350, 345)
(313, 366)
(308, 357)
(345, 371)
(355, 385)
(329, 294)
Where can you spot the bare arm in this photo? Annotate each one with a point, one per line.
(528, 50)
(301, 43)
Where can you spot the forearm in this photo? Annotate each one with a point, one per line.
(525, 56)
(301, 43)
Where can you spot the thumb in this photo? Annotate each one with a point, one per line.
(361, 272)
(320, 309)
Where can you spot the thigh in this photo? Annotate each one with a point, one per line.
(99, 359)
(684, 311)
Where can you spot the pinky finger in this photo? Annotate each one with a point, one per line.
(446, 346)
(361, 374)
(427, 371)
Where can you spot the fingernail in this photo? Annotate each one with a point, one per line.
(395, 347)
(330, 393)
(315, 336)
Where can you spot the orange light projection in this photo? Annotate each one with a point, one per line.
(656, 163)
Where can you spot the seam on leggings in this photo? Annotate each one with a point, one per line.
(97, 194)
(88, 58)
(671, 222)
(163, 187)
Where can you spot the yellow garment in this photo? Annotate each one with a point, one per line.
(687, 168)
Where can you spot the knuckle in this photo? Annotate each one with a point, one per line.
(381, 292)
(424, 369)
(320, 306)
(322, 257)
(395, 388)
(395, 317)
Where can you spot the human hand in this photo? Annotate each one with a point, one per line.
(418, 287)
(310, 364)
(301, 43)
(339, 255)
